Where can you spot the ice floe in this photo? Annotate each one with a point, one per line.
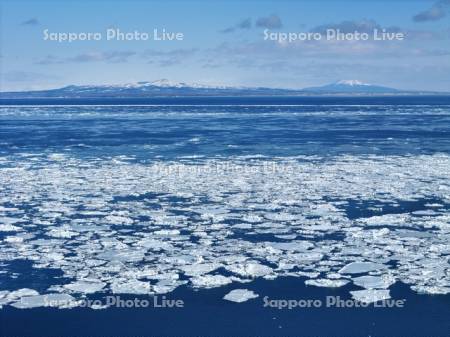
(130, 286)
(326, 283)
(370, 296)
(8, 228)
(374, 282)
(210, 281)
(127, 227)
(240, 295)
(48, 300)
(250, 269)
(86, 286)
(360, 267)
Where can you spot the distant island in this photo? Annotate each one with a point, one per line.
(166, 88)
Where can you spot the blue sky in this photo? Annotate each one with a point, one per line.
(223, 43)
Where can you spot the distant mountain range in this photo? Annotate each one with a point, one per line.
(351, 86)
(166, 88)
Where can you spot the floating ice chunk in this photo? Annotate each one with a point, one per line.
(200, 234)
(334, 276)
(49, 300)
(360, 267)
(292, 246)
(166, 286)
(424, 212)
(413, 233)
(212, 213)
(306, 274)
(286, 236)
(3, 301)
(326, 283)
(14, 239)
(374, 282)
(168, 232)
(302, 258)
(8, 220)
(434, 205)
(165, 276)
(8, 209)
(210, 281)
(240, 295)
(380, 233)
(55, 256)
(94, 262)
(56, 156)
(433, 290)
(86, 287)
(200, 268)
(126, 255)
(63, 233)
(252, 218)
(147, 272)
(387, 219)
(154, 244)
(21, 293)
(119, 220)
(130, 287)
(250, 269)
(194, 140)
(282, 216)
(370, 296)
(9, 228)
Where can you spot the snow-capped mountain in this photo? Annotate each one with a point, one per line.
(165, 83)
(157, 88)
(166, 88)
(351, 86)
(144, 85)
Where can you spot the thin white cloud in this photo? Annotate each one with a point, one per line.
(108, 56)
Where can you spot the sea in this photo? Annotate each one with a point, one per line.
(225, 216)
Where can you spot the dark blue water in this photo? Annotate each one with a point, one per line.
(251, 100)
(205, 314)
(227, 126)
(146, 130)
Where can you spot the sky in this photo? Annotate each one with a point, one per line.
(223, 43)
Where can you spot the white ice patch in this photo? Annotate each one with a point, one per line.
(130, 287)
(250, 269)
(14, 239)
(85, 286)
(433, 290)
(360, 267)
(8, 228)
(326, 283)
(210, 281)
(62, 233)
(370, 296)
(200, 269)
(21, 293)
(240, 295)
(374, 282)
(49, 300)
